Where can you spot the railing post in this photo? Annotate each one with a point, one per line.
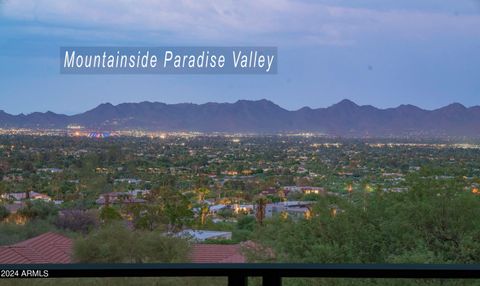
(272, 280)
(237, 280)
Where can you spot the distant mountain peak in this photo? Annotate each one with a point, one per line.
(408, 108)
(106, 104)
(305, 108)
(261, 104)
(346, 103)
(344, 118)
(455, 105)
(259, 101)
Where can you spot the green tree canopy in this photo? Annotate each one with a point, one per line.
(114, 243)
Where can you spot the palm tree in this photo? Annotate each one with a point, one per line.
(308, 213)
(261, 204)
(203, 214)
(202, 192)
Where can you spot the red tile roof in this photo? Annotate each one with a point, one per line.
(216, 253)
(55, 248)
(46, 248)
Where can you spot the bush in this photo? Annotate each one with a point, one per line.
(434, 222)
(246, 223)
(225, 213)
(4, 213)
(38, 210)
(239, 235)
(117, 244)
(13, 233)
(108, 213)
(76, 220)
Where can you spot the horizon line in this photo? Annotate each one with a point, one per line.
(344, 101)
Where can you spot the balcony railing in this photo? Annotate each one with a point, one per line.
(271, 274)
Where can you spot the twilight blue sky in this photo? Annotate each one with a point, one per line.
(379, 52)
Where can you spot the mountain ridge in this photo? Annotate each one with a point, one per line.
(345, 118)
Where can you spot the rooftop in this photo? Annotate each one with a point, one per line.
(216, 253)
(55, 248)
(46, 248)
(201, 235)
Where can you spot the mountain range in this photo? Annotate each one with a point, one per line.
(342, 119)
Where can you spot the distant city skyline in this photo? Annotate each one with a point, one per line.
(374, 52)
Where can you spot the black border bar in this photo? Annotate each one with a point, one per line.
(269, 271)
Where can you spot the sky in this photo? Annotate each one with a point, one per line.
(378, 52)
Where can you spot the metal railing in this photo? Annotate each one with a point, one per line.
(238, 274)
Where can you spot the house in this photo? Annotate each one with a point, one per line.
(23, 196)
(216, 208)
(269, 191)
(243, 208)
(305, 190)
(12, 178)
(295, 208)
(14, 196)
(128, 181)
(230, 173)
(119, 198)
(139, 193)
(395, 190)
(46, 248)
(301, 170)
(297, 212)
(38, 196)
(50, 170)
(202, 235)
(220, 220)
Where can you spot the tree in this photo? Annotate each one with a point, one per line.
(146, 216)
(3, 189)
(38, 209)
(164, 207)
(4, 213)
(261, 204)
(114, 243)
(201, 193)
(203, 213)
(434, 222)
(174, 208)
(108, 213)
(246, 223)
(225, 213)
(76, 220)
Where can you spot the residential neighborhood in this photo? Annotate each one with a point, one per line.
(219, 198)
